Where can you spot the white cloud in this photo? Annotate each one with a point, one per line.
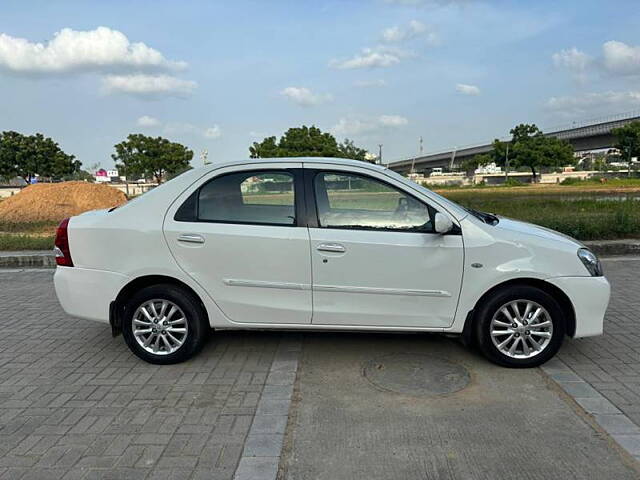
(392, 120)
(465, 89)
(399, 34)
(213, 132)
(618, 57)
(102, 49)
(358, 126)
(571, 59)
(590, 102)
(148, 85)
(370, 83)
(380, 57)
(305, 97)
(414, 29)
(146, 121)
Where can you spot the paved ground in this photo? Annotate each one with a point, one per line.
(74, 403)
(342, 426)
(611, 363)
(507, 424)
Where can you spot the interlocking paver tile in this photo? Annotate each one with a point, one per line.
(609, 363)
(75, 403)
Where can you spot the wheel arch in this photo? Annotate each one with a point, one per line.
(116, 307)
(561, 297)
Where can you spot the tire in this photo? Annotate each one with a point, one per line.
(546, 329)
(174, 340)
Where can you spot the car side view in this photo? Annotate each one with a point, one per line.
(323, 243)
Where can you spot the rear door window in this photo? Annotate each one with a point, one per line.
(258, 197)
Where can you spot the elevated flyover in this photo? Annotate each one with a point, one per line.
(591, 135)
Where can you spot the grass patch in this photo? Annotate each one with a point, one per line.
(28, 227)
(595, 217)
(610, 182)
(25, 242)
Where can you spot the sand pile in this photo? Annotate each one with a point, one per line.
(51, 202)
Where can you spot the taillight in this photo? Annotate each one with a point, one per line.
(61, 250)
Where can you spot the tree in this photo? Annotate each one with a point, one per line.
(306, 142)
(480, 160)
(528, 148)
(27, 156)
(150, 157)
(80, 175)
(347, 149)
(628, 141)
(496, 155)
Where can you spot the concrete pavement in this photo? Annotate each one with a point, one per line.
(506, 424)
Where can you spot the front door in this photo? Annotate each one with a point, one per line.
(376, 260)
(237, 235)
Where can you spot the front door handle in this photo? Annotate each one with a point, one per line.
(191, 238)
(331, 247)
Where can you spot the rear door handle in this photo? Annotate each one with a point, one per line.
(191, 238)
(331, 247)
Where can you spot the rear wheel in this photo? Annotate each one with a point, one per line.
(164, 324)
(520, 326)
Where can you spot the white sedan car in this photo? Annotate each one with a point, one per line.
(323, 244)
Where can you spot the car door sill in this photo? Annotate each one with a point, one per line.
(335, 327)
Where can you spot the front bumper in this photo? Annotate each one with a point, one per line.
(87, 293)
(590, 298)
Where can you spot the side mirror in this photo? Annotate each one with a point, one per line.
(442, 223)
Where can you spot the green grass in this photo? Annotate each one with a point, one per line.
(585, 217)
(609, 182)
(25, 242)
(27, 227)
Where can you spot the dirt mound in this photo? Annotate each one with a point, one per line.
(51, 202)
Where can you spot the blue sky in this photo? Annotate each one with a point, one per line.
(220, 75)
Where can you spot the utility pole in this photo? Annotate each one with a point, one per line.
(126, 178)
(453, 158)
(413, 163)
(380, 153)
(506, 164)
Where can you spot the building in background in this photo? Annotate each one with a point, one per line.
(106, 176)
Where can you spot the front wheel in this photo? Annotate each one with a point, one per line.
(164, 324)
(520, 327)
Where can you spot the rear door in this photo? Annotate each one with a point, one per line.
(376, 260)
(236, 233)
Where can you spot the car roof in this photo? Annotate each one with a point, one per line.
(331, 160)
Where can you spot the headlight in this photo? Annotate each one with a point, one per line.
(591, 262)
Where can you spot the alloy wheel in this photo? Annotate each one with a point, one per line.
(160, 326)
(521, 329)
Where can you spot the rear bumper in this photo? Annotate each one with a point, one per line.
(87, 293)
(590, 298)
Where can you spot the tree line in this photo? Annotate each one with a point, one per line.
(530, 148)
(141, 156)
(26, 156)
